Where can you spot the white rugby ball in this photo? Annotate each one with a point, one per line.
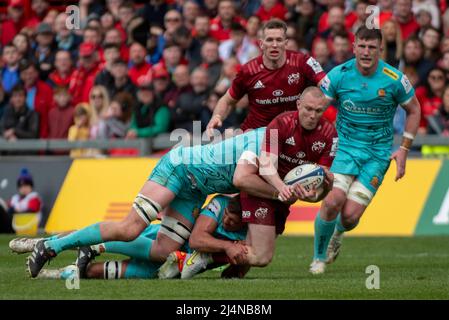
(308, 175)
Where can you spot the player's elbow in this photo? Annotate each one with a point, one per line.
(239, 181)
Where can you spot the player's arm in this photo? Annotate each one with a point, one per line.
(246, 178)
(202, 240)
(413, 116)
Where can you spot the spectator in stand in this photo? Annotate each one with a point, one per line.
(431, 7)
(239, 45)
(39, 95)
(430, 96)
(14, 22)
(386, 10)
(18, 121)
(84, 76)
(220, 26)
(190, 10)
(321, 52)
(154, 11)
(93, 36)
(349, 16)
(228, 73)
(305, 16)
(114, 37)
(62, 74)
(336, 20)
(107, 21)
(111, 55)
(40, 10)
(150, 117)
(23, 44)
(65, 38)
(202, 28)
(60, 118)
(403, 14)
(98, 105)
(342, 49)
(211, 61)
(206, 114)
(125, 15)
(424, 20)
(116, 123)
(431, 42)
(189, 45)
(161, 82)
(80, 130)
(252, 29)
(9, 74)
(26, 200)
(439, 122)
(181, 81)
(361, 14)
(113, 7)
(171, 57)
(44, 53)
(271, 9)
(140, 67)
(190, 105)
(211, 8)
(392, 43)
(154, 45)
(414, 57)
(172, 21)
(122, 82)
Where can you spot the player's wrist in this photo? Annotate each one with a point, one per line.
(407, 141)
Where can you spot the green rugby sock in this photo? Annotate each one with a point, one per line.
(139, 248)
(84, 237)
(323, 233)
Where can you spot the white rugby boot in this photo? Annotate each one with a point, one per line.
(23, 245)
(317, 267)
(334, 247)
(195, 263)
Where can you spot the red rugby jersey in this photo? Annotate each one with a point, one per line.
(272, 92)
(294, 145)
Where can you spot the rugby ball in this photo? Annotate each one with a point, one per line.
(309, 175)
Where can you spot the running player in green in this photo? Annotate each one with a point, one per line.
(367, 92)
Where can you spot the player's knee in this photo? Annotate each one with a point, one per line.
(333, 204)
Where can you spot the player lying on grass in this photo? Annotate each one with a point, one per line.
(220, 219)
(291, 139)
(367, 92)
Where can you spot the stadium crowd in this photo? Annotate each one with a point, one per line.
(139, 69)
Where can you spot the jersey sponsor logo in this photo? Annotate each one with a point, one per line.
(214, 207)
(318, 146)
(391, 74)
(259, 85)
(292, 160)
(406, 84)
(278, 100)
(291, 141)
(278, 93)
(348, 105)
(293, 78)
(246, 214)
(315, 65)
(334, 147)
(325, 84)
(261, 213)
(301, 154)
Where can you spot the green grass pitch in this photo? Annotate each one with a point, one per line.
(410, 268)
